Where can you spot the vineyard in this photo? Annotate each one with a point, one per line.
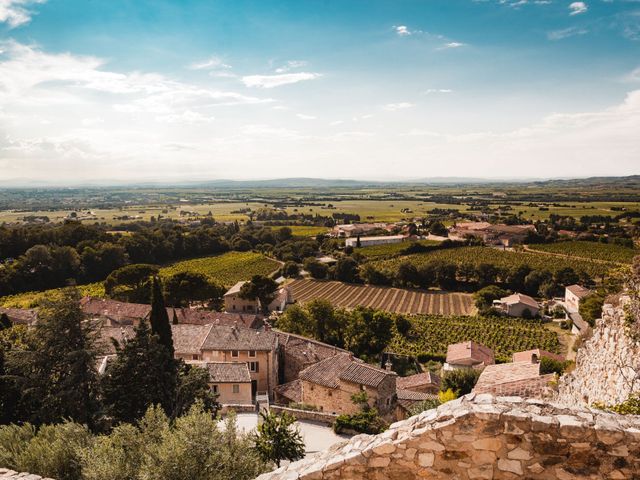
(306, 230)
(226, 269)
(430, 335)
(390, 299)
(499, 258)
(590, 250)
(376, 252)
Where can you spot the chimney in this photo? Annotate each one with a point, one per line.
(388, 365)
(534, 358)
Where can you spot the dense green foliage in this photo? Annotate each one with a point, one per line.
(550, 365)
(376, 252)
(261, 288)
(460, 381)
(277, 439)
(193, 447)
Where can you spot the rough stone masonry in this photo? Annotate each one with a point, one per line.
(484, 437)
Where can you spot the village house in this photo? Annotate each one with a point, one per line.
(467, 355)
(522, 379)
(231, 381)
(499, 234)
(355, 229)
(20, 316)
(329, 384)
(573, 295)
(256, 348)
(518, 305)
(535, 355)
(426, 382)
(234, 303)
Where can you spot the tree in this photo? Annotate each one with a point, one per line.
(346, 270)
(57, 375)
(182, 288)
(290, 269)
(296, 320)
(485, 296)
(131, 283)
(159, 317)
(460, 381)
(438, 228)
(276, 440)
(591, 308)
(4, 321)
(262, 288)
(407, 274)
(315, 268)
(193, 386)
(142, 375)
(326, 327)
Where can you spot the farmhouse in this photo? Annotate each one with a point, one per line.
(521, 379)
(573, 295)
(330, 383)
(355, 229)
(234, 303)
(468, 355)
(517, 305)
(500, 234)
(370, 241)
(426, 382)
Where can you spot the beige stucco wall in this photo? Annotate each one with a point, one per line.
(518, 309)
(233, 303)
(267, 374)
(226, 395)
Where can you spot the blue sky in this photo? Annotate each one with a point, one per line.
(122, 90)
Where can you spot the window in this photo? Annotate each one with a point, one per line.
(254, 367)
(194, 357)
(214, 388)
(388, 402)
(252, 353)
(236, 389)
(363, 388)
(235, 353)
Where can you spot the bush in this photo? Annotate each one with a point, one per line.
(549, 365)
(423, 406)
(367, 421)
(460, 381)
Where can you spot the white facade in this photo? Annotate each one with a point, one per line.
(369, 241)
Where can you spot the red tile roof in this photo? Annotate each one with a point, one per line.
(20, 316)
(344, 367)
(514, 379)
(469, 353)
(418, 380)
(291, 391)
(527, 355)
(579, 291)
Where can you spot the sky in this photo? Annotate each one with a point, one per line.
(106, 91)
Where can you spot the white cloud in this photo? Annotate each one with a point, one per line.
(576, 8)
(454, 45)
(632, 76)
(302, 116)
(187, 117)
(292, 65)
(272, 81)
(16, 12)
(402, 30)
(566, 33)
(392, 107)
(430, 91)
(209, 64)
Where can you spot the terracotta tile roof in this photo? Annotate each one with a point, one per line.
(344, 367)
(188, 339)
(305, 349)
(469, 353)
(121, 312)
(20, 316)
(520, 298)
(514, 379)
(527, 355)
(579, 291)
(415, 396)
(223, 337)
(205, 317)
(418, 380)
(226, 372)
(291, 391)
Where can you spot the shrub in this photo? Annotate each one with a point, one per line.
(447, 396)
(367, 421)
(423, 406)
(460, 381)
(549, 365)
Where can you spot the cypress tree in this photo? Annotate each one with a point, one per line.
(159, 318)
(5, 322)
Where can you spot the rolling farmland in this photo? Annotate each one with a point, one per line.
(391, 299)
(590, 250)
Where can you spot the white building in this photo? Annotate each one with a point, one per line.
(515, 305)
(369, 241)
(573, 295)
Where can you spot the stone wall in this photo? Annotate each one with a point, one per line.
(607, 364)
(6, 474)
(484, 437)
(326, 418)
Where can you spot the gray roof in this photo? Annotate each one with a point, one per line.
(224, 337)
(344, 367)
(227, 372)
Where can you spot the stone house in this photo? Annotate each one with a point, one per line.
(256, 348)
(234, 303)
(468, 355)
(517, 305)
(573, 295)
(535, 355)
(20, 316)
(330, 383)
(521, 379)
(426, 382)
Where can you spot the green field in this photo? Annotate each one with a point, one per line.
(499, 258)
(376, 252)
(430, 335)
(591, 250)
(226, 269)
(306, 230)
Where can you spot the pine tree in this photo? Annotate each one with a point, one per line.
(159, 317)
(142, 374)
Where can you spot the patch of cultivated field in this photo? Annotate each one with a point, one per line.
(225, 269)
(591, 250)
(395, 300)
